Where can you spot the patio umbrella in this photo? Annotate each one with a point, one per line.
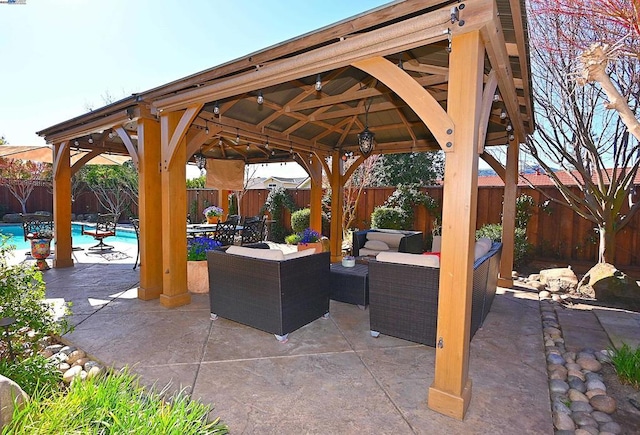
(44, 153)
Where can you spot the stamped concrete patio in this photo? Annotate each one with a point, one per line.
(330, 377)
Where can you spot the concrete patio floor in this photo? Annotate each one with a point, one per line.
(330, 377)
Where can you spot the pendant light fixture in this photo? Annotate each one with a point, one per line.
(365, 138)
(201, 161)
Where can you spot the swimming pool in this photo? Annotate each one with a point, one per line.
(16, 236)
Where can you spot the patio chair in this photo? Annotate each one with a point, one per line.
(252, 230)
(225, 232)
(105, 227)
(233, 218)
(35, 223)
(136, 226)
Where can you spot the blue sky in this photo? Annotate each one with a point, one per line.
(60, 57)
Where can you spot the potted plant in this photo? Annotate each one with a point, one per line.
(41, 247)
(307, 239)
(197, 273)
(212, 213)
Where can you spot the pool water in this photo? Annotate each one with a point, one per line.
(16, 236)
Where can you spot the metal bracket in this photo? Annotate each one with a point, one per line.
(440, 343)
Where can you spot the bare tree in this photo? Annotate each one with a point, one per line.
(21, 177)
(362, 177)
(576, 130)
(249, 175)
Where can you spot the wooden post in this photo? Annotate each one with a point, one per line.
(149, 213)
(174, 213)
(509, 215)
(337, 200)
(450, 392)
(62, 205)
(223, 200)
(315, 171)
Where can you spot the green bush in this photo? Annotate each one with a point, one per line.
(388, 217)
(35, 374)
(293, 239)
(277, 200)
(300, 220)
(627, 364)
(114, 404)
(521, 246)
(22, 296)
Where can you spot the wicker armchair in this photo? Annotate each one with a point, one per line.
(274, 296)
(403, 299)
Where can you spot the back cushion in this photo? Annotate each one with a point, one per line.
(436, 244)
(376, 245)
(263, 254)
(406, 258)
(392, 240)
(482, 246)
(298, 254)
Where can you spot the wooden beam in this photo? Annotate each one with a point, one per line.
(450, 392)
(315, 171)
(487, 103)
(509, 215)
(494, 164)
(62, 205)
(421, 101)
(174, 207)
(337, 199)
(150, 214)
(105, 123)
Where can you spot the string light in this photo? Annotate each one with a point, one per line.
(318, 85)
(216, 108)
(260, 97)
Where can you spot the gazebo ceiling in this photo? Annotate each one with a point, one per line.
(294, 115)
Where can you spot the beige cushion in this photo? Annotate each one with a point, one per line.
(298, 254)
(369, 252)
(376, 245)
(406, 258)
(391, 239)
(263, 254)
(482, 246)
(436, 245)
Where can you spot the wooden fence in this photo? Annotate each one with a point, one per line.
(556, 232)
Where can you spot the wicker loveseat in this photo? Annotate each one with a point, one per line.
(276, 296)
(396, 240)
(403, 298)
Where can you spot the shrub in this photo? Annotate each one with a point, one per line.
(409, 196)
(22, 296)
(521, 246)
(35, 374)
(300, 220)
(293, 239)
(388, 217)
(277, 200)
(113, 404)
(627, 364)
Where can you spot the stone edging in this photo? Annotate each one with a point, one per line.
(579, 400)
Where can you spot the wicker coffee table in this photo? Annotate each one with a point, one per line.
(350, 284)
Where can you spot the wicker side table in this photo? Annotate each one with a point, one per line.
(350, 284)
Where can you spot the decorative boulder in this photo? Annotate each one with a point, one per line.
(559, 279)
(10, 395)
(607, 284)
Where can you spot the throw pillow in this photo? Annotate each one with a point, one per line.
(376, 245)
(391, 239)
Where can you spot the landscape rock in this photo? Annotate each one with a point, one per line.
(9, 390)
(607, 284)
(603, 403)
(71, 374)
(563, 421)
(559, 279)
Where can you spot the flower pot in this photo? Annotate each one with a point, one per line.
(197, 277)
(212, 219)
(40, 250)
(315, 245)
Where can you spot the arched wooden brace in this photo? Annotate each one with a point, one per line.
(416, 97)
(128, 143)
(62, 204)
(173, 128)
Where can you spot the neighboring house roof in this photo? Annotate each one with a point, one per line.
(292, 183)
(540, 179)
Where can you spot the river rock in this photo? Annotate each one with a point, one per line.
(563, 421)
(611, 427)
(597, 392)
(75, 356)
(71, 374)
(10, 395)
(577, 396)
(603, 403)
(591, 364)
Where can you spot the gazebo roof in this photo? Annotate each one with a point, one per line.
(296, 117)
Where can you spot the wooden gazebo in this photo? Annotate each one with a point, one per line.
(431, 75)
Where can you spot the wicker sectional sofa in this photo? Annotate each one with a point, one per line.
(403, 298)
(276, 296)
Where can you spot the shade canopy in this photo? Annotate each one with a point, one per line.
(44, 153)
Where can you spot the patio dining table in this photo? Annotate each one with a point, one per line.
(195, 230)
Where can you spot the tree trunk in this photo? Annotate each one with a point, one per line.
(607, 246)
(23, 203)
